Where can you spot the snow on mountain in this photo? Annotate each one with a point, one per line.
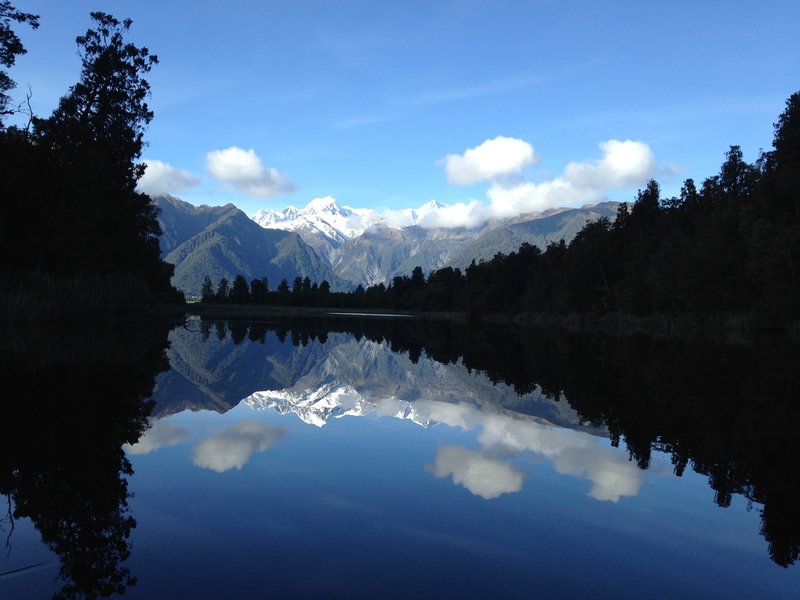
(333, 401)
(357, 379)
(408, 217)
(323, 215)
(315, 407)
(364, 247)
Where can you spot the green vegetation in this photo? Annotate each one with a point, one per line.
(71, 220)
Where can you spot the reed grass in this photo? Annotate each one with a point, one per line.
(39, 296)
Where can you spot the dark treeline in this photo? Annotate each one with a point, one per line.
(727, 412)
(730, 245)
(70, 207)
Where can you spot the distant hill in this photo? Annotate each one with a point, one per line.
(550, 227)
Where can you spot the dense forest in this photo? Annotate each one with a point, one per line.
(71, 217)
(728, 246)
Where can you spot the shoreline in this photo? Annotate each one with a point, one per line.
(729, 328)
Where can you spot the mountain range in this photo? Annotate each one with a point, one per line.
(343, 245)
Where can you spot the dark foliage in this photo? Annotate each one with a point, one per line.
(69, 183)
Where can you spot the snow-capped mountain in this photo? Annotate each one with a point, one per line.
(322, 223)
(323, 215)
(410, 217)
(343, 245)
(339, 223)
(365, 247)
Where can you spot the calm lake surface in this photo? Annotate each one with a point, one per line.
(357, 457)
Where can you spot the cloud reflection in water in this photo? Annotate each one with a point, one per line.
(482, 475)
(160, 434)
(571, 452)
(502, 436)
(232, 447)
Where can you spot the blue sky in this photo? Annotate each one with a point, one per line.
(492, 107)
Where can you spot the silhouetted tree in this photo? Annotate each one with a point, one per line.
(207, 290)
(240, 291)
(10, 47)
(88, 219)
(95, 138)
(259, 290)
(222, 290)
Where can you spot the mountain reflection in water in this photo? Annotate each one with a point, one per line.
(617, 416)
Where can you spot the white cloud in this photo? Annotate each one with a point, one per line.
(160, 178)
(527, 197)
(469, 215)
(482, 475)
(495, 158)
(160, 434)
(233, 447)
(623, 164)
(243, 170)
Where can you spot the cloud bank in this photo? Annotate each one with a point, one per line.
(500, 162)
(243, 170)
(160, 178)
(623, 164)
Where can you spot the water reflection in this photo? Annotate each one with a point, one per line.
(160, 434)
(61, 460)
(730, 413)
(479, 472)
(502, 435)
(232, 447)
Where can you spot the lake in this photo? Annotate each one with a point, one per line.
(356, 456)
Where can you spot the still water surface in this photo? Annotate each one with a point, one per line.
(361, 459)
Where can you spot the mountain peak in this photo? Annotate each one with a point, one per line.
(325, 204)
(432, 205)
(322, 216)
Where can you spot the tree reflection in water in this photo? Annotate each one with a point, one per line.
(729, 412)
(82, 395)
